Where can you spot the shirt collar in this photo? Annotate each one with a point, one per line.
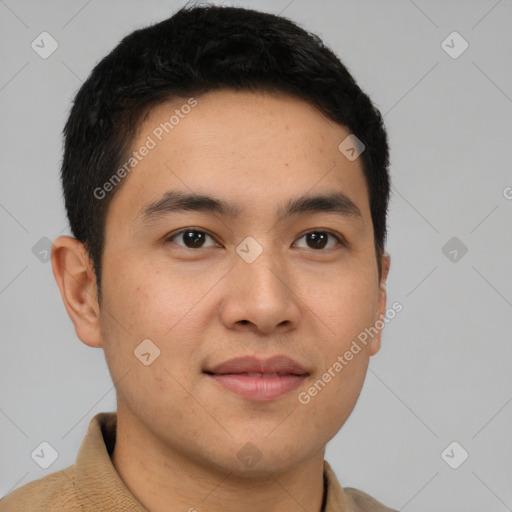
(100, 487)
(98, 484)
(337, 499)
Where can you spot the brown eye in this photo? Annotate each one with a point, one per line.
(320, 240)
(191, 239)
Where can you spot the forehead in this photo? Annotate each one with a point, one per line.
(254, 149)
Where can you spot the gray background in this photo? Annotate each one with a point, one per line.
(443, 373)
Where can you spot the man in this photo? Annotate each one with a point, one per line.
(227, 184)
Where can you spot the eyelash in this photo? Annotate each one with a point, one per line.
(341, 241)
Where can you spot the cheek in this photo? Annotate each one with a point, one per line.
(329, 400)
(346, 307)
(140, 304)
(347, 304)
(135, 310)
(144, 301)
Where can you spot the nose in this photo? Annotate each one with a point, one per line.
(261, 297)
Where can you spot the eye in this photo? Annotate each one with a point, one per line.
(192, 239)
(319, 239)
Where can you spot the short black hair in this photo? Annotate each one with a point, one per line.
(197, 50)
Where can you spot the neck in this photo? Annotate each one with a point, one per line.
(163, 478)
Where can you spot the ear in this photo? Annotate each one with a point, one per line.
(381, 304)
(73, 271)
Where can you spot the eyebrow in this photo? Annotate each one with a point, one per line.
(175, 201)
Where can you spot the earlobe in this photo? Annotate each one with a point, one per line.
(381, 305)
(72, 269)
(375, 345)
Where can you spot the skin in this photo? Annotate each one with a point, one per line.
(178, 432)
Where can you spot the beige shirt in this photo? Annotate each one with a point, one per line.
(92, 484)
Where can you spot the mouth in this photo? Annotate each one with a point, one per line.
(258, 380)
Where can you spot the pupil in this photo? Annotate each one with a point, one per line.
(194, 238)
(319, 240)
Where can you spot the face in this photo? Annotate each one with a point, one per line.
(253, 276)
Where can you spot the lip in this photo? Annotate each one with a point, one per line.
(259, 379)
(252, 364)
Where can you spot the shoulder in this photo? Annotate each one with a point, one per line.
(54, 492)
(364, 502)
